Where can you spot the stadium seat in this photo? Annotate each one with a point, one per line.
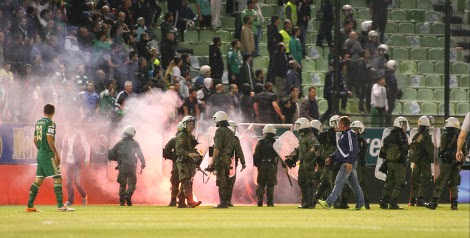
(407, 108)
(409, 94)
(463, 108)
(460, 68)
(413, 41)
(429, 41)
(406, 28)
(194, 73)
(456, 55)
(398, 108)
(398, 15)
(417, 81)
(402, 81)
(259, 63)
(439, 67)
(439, 95)
(268, 10)
(451, 108)
(408, 67)
(398, 40)
(319, 92)
(432, 16)
(400, 54)
(196, 62)
(416, 15)
(425, 67)
(441, 42)
(200, 48)
(422, 28)
(264, 37)
(428, 108)
(363, 14)
(407, 4)
(391, 27)
(225, 36)
(308, 66)
(191, 36)
(206, 35)
(228, 22)
(322, 65)
(358, 3)
(425, 94)
(306, 79)
(271, 2)
(318, 79)
(436, 54)
(465, 81)
(418, 54)
(322, 106)
(326, 52)
(424, 4)
(438, 28)
(458, 95)
(315, 52)
(433, 81)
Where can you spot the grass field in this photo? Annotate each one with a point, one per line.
(242, 221)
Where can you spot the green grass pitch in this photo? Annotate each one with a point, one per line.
(240, 221)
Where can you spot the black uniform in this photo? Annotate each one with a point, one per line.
(215, 62)
(169, 152)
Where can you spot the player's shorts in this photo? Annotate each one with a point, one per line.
(47, 168)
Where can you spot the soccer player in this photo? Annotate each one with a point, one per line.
(48, 160)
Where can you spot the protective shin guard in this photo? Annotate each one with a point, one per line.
(58, 194)
(33, 192)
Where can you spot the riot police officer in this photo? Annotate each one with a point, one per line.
(266, 159)
(394, 150)
(421, 155)
(224, 142)
(450, 167)
(358, 128)
(327, 140)
(169, 152)
(187, 162)
(237, 156)
(124, 152)
(308, 152)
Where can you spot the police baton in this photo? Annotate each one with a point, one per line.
(290, 181)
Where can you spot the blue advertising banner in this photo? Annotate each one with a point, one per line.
(17, 144)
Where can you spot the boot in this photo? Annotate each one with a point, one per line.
(453, 204)
(394, 205)
(304, 203)
(223, 202)
(122, 199)
(366, 203)
(412, 202)
(384, 202)
(432, 205)
(270, 202)
(128, 199)
(182, 204)
(312, 202)
(172, 202)
(420, 202)
(270, 195)
(260, 201)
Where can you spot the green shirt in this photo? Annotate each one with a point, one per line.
(254, 23)
(43, 128)
(234, 61)
(224, 141)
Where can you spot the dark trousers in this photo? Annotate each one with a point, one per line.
(72, 174)
(379, 21)
(329, 112)
(238, 25)
(361, 91)
(325, 32)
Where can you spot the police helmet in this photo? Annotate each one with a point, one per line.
(334, 120)
(358, 125)
(220, 116)
(185, 121)
(128, 131)
(269, 128)
(365, 25)
(452, 122)
(233, 126)
(347, 7)
(179, 127)
(392, 65)
(301, 123)
(317, 125)
(372, 34)
(424, 121)
(384, 47)
(400, 122)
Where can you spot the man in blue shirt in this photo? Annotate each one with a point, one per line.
(346, 155)
(90, 102)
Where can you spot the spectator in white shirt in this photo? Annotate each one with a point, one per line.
(379, 103)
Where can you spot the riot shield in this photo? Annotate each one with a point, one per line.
(284, 146)
(380, 160)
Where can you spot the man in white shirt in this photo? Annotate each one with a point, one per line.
(463, 134)
(379, 103)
